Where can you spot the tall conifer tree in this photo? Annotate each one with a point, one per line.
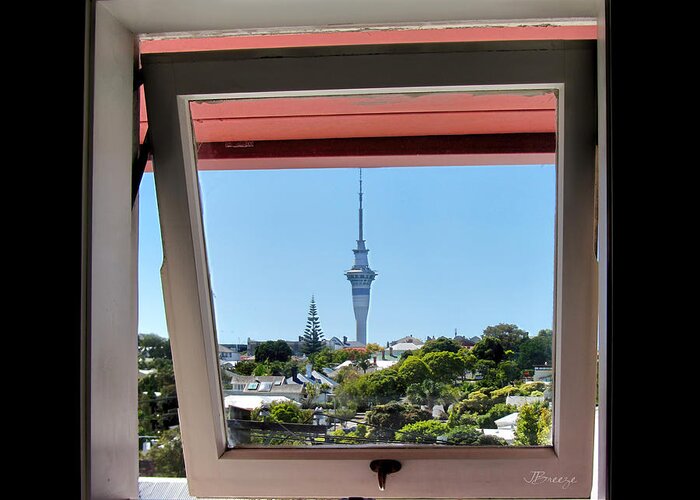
(312, 340)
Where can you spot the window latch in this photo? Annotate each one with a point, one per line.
(383, 468)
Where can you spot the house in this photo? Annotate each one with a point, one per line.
(273, 385)
(396, 350)
(407, 339)
(543, 373)
(335, 343)
(505, 428)
(228, 354)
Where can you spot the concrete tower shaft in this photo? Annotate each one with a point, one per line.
(360, 277)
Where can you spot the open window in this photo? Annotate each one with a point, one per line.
(426, 84)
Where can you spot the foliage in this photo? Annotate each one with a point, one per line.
(544, 426)
(157, 396)
(245, 367)
(414, 371)
(532, 425)
(346, 412)
(312, 340)
(489, 349)
(440, 344)
(347, 374)
(464, 435)
(386, 419)
(509, 335)
(430, 393)
(373, 388)
(446, 366)
(499, 410)
(166, 455)
(485, 440)
(425, 431)
(507, 372)
(477, 403)
(273, 350)
(373, 347)
(152, 346)
(384, 386)
(328, 357)
(284, 412)
(468, 359)
(536, 351)
(501, 394)
(528, 388)
(462, 418)
(357, 436)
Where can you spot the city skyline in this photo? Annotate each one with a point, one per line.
(457, 247)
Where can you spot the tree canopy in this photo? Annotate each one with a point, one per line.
(440, 344)
(312, 340)
(273, 350)
(511, 336)
(489, 349)
(536, 351)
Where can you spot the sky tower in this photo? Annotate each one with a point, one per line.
(360, 277)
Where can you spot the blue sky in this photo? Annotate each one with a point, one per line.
(455, 247)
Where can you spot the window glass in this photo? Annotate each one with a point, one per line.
(378, 276)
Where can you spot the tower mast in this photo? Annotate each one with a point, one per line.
(360, 277)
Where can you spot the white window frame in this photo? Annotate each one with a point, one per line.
(173, 80)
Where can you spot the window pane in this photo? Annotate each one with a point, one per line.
(441, 335)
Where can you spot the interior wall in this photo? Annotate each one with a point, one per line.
(112, 344)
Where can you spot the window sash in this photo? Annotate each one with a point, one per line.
(172, 80)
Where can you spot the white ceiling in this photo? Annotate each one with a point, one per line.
(165, 16)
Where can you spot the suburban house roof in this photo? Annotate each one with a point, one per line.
(406, 346)
(408, 339)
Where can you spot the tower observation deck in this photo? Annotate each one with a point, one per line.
(360, 277)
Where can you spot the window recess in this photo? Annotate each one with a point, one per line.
(173, 82)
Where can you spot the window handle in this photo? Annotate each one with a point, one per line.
(383, 468)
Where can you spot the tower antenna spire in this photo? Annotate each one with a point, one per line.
(360, 277)
(361, 238)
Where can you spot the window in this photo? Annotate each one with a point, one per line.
(173, 81)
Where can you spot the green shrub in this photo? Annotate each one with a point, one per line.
(464, 435)
(425, 431)
(485, 440)
(386, 419)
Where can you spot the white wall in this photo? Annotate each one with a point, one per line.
(112, 362)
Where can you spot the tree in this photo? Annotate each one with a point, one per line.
(414, 370)
(507, 372)
(532, 427)
(440, 344)
(536, 351)
(425, 431)
(464, 435)
(312, 340)
(157, 396)
(510, 335)
(152, 346)
(273, 350)
(489, 349)
(245, 367)
(430, 393)
(166, 455)
(446, 366)
(386, 419)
